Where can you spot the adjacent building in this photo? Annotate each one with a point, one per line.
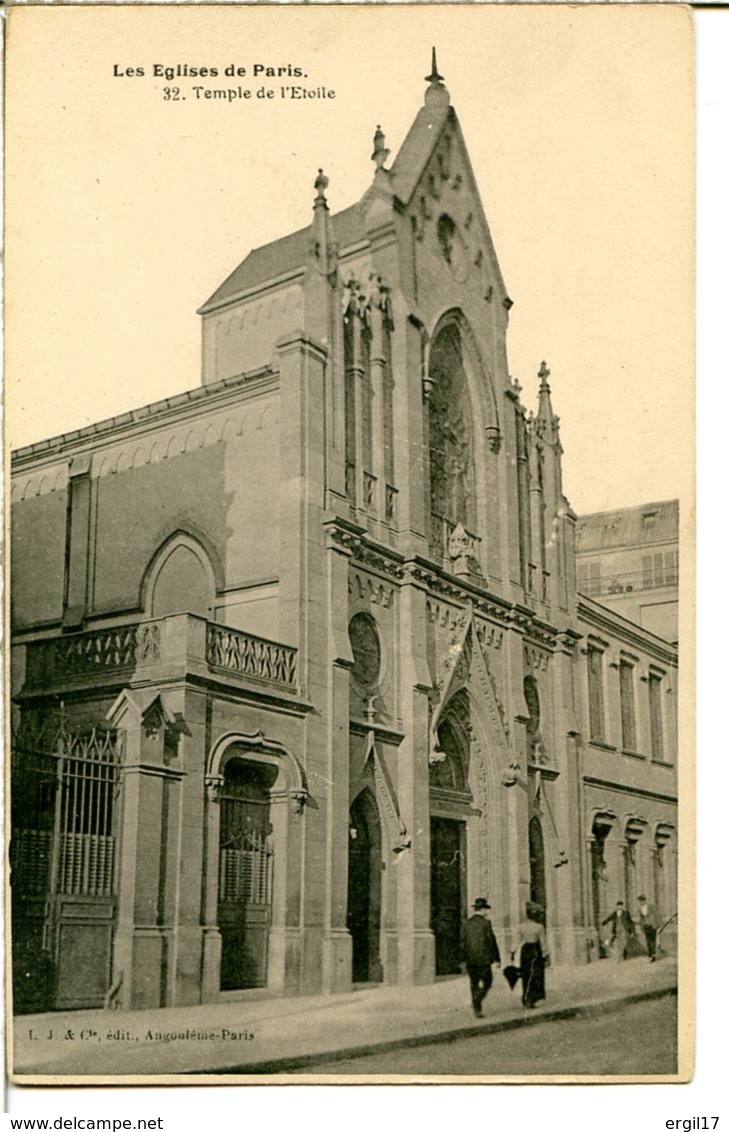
(300, 663)
(628, 560)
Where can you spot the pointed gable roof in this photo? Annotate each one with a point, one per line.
(414, 153)
(282, 257)
(287, 255)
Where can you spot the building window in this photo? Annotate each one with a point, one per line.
(595, 693)
(656, 716)
(588, 578)
(660, 570)
(365, 643)
(452, 476)
(627, 705)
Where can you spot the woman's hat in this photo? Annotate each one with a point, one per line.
(481, 903)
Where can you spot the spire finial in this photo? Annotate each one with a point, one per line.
(434, 77)
(436, 94)
(543, 374)
(320, 184)
(380, 152)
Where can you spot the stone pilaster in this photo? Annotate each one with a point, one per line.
(416, 943)
(337, 943)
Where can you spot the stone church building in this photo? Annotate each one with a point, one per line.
(300, 667)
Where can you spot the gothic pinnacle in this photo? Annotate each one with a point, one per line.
(321, 184)
(380, 152)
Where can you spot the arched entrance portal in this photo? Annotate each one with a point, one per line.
(364, 893)
(450, 804)
(537, 872)
(245, 883)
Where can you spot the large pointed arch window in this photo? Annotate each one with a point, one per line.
(452, 490)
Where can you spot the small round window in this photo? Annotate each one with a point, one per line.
(365, 643)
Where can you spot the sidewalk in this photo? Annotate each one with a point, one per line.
(259, 1036)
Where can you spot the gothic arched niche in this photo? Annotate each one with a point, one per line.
(182, 584)
(450, 771)
(452, 490)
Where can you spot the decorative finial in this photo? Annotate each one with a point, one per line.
(321, 184)
(436, 94)
(434, 77)
(543, 373)
(380, 153)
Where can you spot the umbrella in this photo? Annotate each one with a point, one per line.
(512, 975)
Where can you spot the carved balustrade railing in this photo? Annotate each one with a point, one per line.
(113, 652)
(92, 653)
(241, 652)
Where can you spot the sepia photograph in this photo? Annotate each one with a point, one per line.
(350, 402)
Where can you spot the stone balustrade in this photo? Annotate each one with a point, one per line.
(241, 652)
(114, 653)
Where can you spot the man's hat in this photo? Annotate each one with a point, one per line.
(641, 898)
(481, 903)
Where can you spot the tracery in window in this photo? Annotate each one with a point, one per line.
(452, 495)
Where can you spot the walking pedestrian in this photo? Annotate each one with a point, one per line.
(532, 947)
(649, 923)
(480, 951)
(622, 930)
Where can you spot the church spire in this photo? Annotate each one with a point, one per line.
(436, 94)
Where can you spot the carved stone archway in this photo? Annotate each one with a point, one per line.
(288, 796)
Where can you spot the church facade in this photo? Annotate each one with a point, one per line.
(300, 666)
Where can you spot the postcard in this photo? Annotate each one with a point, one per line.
(349, 390)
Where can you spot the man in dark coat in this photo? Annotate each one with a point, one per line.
(480, 951)
(622, 930)
(649, 924)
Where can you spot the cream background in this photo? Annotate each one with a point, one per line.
(126, 212)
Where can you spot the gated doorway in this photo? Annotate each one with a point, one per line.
(63, 861)
(245, 883)
(537, 872)
(451, 806)
(364, 889)
(447, 891)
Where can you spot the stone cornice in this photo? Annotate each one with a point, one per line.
(620, 788)
(275, 283)
(149, 417)
(385, 734)
(437, 582)
(517, 617)
(607, 621)
(353, 539)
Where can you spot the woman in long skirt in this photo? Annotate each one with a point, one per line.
(533, 952)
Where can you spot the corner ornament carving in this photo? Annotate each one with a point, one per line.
(213, 787)
(298, 803)
(461, 552)
(493, 438)
(510, 776)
